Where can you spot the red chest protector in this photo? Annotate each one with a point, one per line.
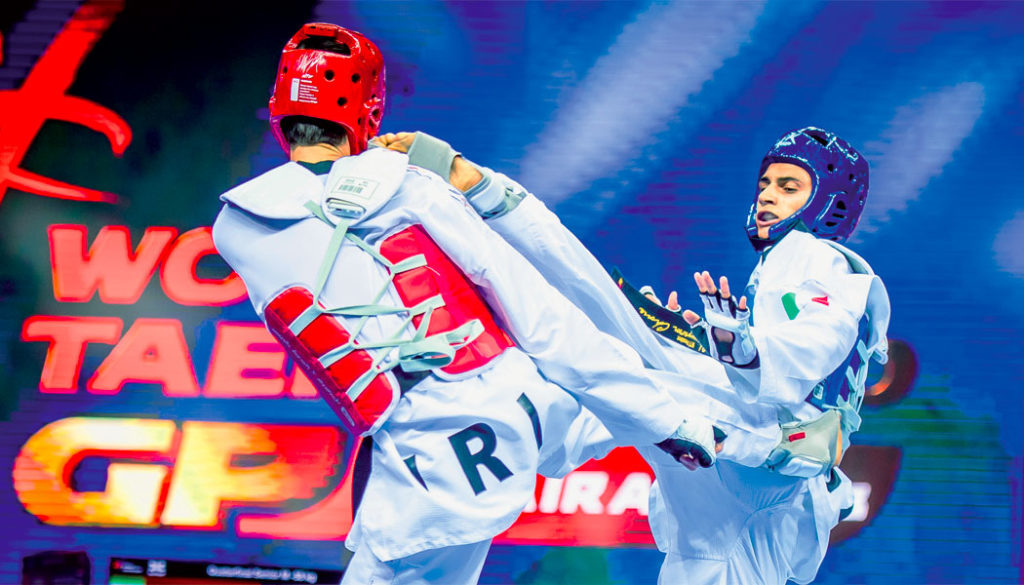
(462, 302)
(354, 383)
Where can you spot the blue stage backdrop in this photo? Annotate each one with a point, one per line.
(150, 429)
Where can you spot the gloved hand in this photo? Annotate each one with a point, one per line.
(809, 448)
(729, 322)
(694, 444)
(433, 154)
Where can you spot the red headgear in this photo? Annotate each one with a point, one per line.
(345, 87)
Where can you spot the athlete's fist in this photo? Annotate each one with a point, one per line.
(400, 141)
(434, 155)
(694, 444)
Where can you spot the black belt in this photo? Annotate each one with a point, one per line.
(668, 324)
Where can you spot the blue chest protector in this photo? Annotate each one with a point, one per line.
(844, 388)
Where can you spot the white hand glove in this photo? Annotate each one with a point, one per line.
(730, 331)
(809, 448)
(693, 442)
(729, 337)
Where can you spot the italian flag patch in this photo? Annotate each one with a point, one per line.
(792, 310)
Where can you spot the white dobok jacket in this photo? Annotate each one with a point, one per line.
(426, 488)
(735, 523)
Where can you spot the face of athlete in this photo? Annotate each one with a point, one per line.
(782, 190)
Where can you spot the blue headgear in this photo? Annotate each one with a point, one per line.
(840, 177)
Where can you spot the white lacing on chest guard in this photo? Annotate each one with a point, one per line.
(418, 353)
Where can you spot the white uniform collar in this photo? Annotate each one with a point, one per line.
(279, 193)
(356, 186)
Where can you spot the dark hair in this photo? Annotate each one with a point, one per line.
(306, 131)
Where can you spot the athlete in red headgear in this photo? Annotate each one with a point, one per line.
(425, 330)
(330, 73)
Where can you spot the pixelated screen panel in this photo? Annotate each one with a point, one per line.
(131, 571)
(144, 406)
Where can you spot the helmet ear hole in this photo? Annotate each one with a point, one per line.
(831, 168)
(328, 75)
(342, 101)
(840, 205)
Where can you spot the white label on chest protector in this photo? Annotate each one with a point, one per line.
(349, 198)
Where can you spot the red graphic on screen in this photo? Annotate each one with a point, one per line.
(110, 267)
(42, 97)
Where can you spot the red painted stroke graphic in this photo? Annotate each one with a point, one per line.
(42, 97)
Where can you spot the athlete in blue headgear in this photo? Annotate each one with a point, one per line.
(819, 315)
(836, 176)
(819, 309)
